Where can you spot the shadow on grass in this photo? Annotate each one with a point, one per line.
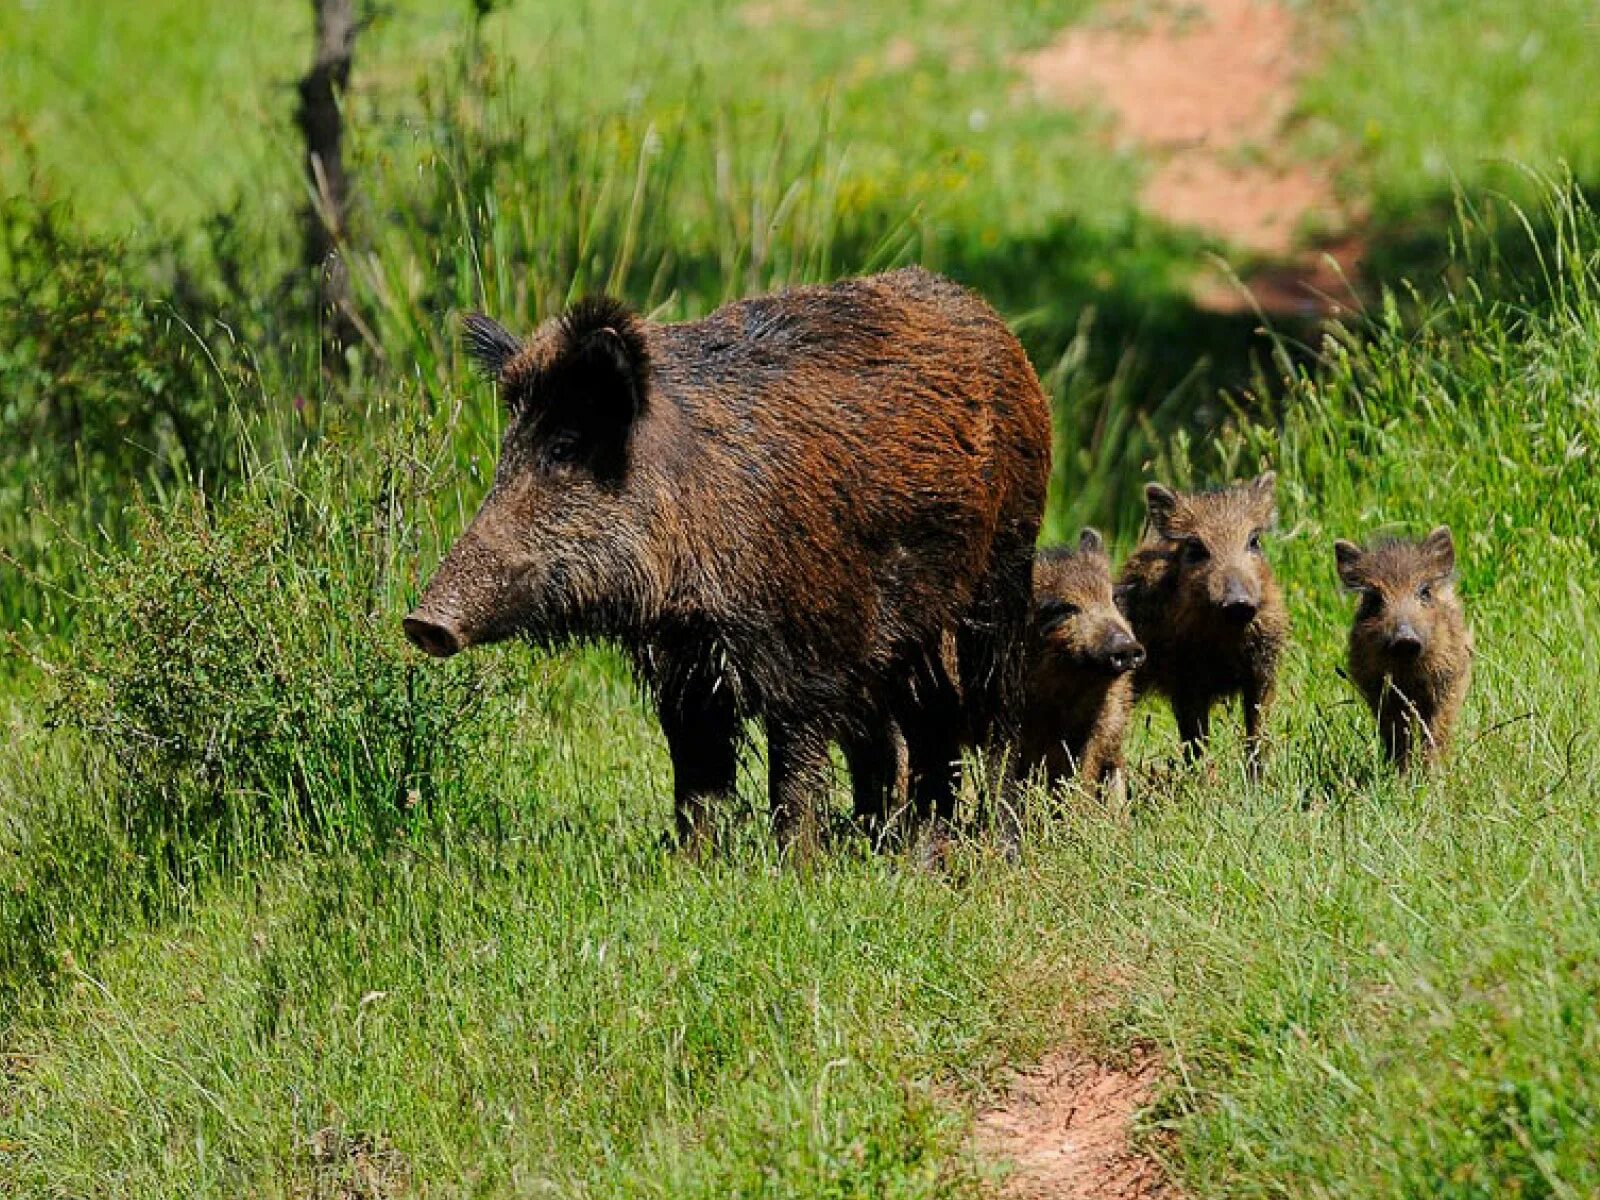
(1498, 242)
(1133, 361)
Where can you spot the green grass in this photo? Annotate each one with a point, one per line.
(1432, 94)
(123, 113)
(286, 909)
(1420, 101)
(1359, 985)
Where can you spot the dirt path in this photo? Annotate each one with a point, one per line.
(1205, 89)
(1065, 1130)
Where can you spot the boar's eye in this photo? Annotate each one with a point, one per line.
(1254, 544)
(1055, 613)
(1194, 551)
(1371, 603)
(562, 449)
(1425, 593)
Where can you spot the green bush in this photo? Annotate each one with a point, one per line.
(236, 689)
(245, 660)
(97, 372)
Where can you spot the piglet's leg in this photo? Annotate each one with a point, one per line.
(1257, 700)
(1193, 714)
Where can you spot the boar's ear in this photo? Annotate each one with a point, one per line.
(490, 345)
(1090, 542)
(605, 352)
(1347, 556)
(1441, 549)
(1161, 502)
(592, 391)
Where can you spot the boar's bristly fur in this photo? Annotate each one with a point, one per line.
(778, 512)
(1410, 648)
(1081, 658)
(1203, 601)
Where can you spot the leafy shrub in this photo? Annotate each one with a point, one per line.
(97, 374)
(244, 660)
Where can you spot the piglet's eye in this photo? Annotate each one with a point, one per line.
(1371, 602)
(1054, 613)
(1194, 551)
(1255, 542)
(1425, 593)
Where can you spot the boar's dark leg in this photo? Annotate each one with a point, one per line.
(876, 757)
(927, 709)
(1192, 710)
(991, 652)
(702, 728)
(797, 764)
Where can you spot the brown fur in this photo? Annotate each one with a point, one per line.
(1081, 658)
(779, 511)
(1202, 560)
(1410, 648)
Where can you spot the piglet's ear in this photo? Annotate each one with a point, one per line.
(1347, 557)
(1441, 548)
(1161, 502)
(1265, 487)
(1090, 542)
(489, 344)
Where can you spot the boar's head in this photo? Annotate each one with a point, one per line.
(560, 546)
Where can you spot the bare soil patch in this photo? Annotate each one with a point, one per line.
(1256, 208)
(1212, 73)
(1065, 1129)
(1206, 89)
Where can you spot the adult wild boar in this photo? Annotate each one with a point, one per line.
(777, 512)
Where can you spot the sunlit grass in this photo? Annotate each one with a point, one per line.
(282, 903)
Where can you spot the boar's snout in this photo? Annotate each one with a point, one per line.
(1240, 600)
(433, 636)
(1405, 641)
(1121, 652)
(480, 593)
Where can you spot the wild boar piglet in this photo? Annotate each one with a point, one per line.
(1410, 648)
(1081, 658)
(1202, 600)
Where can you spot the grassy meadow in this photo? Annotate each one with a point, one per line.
(286, 910)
